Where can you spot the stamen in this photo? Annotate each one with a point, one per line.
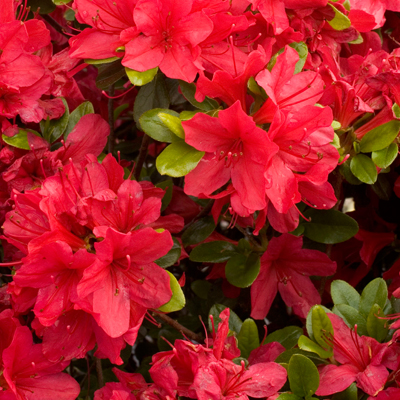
(119, 95)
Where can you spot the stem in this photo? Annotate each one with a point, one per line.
(142, 156)
(176, 325)
(251, 239)
(99, 371)
(111, 137)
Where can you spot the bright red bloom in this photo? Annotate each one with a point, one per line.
(169, 38)
(285, 267)
(235, 149)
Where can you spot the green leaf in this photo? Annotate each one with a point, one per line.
(321, 326)
(61, 2)
(178, 159)
(374, 293)
(198, 231)
(235, 323)
(339, 21)
(177, 301)
(216, 252)
(174, 124)
(241, 270)
(288, 396)
(201, 288)
(303, 376)
(53, 129)
(248, 339)
(109, 73)
(329, 226)
(287, 337)
(383, 158)
(380, 137)
(152, 95)
(309, 325)
(377, 327)
(189, 90)
(302, 51)
(168, 186)
(171, 257)
(351, 317)
(343, 293)
(396, 110)
(364, 169)
(152, 124)
(288, 354)
(102, 61)
(83, 109)
(141, 78)
(20, 140)
(307, 344)
(349, 394)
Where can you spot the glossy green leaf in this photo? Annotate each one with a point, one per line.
(177, 301)
(241, 270)
(364, 169)
(168, 186)
(171, 257)
(351, 317)
(303, 376)
(321, 326)
(383, 158)
(329, 226)
(138, 78)
(288, 396)
(235, 323)
(174, 124)
(189, 90)
(350, 393)
(153, 126)
(339, 21)
(217, 252)
(288, 354)
(150, 96)
(307, 344)
(198, 231)
(248, 339)
(380, 137)
(376, 326)
(178, 159)
(102, 61)
(20, 140)
(53, 129)
(83, 109)
(302, 51)
(109, 73)
(343, 293)
(287, 337)
(374, 293)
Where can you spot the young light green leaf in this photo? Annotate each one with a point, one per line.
(178, 159)
(321, 326)
(303, 376)
(307, 344)
(138, 78)
(364, 169)
(20, 140)
(340, 21)
(103, 61)
(302, 51)
(241, 270)
(174, 124)
(177, 301)
(248, 339)
(343, 293)
(153, 125)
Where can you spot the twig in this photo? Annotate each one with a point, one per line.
(111, 137)
(142, 156)
(176, 325)
(99, 371)
(251, 239)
